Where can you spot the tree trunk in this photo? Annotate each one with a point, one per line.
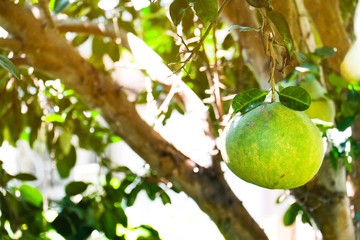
(45, 49)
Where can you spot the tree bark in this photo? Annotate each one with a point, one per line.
(325, 199)
(47, 50)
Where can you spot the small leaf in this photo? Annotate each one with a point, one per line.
(54, 117)
(25, 177)
(75, 188)
(177, 10)
(31, 195)
(205, 9)
(165, 198)
(247, 100)
(259, 3)
(295, 98)
(283, 28)
(65, 163)
(325, 52)
(291, 214)
(243, 29)
(9, 66)
(60, 5)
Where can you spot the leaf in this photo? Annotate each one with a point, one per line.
(9, 66)
(25, 177)
(65, 163)
(259, 3)
(205, 9)
(76, 187)
(31, 195)
(283, 28)
(177, 10)
(325, 52)
(165, 198)
(295, 98)
(60, 5)
(243, 29)
(109, 224)
(291, 214)
(247, 100)
(54, 117)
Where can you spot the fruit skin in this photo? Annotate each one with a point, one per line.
(273, 146)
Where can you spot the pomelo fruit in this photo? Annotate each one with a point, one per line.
(273, 146)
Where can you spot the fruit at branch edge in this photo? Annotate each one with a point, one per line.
(273, 146)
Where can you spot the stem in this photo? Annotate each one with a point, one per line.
(272, 73)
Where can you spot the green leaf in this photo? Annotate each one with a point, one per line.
(109, 224)
(205, 9)
(31, 195)
(25, 177)
(291, 214)
(165, 198)
(295, 98)
(64, 163)
(9, 66)
(60, 5)
(243, 29)
(325, 52)
(259, 3)
(54, 117)
(247, 100)
(283, 28)
(177, 10)
(74, 188)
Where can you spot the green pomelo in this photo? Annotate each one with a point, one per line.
(323, 109)
(273, 146)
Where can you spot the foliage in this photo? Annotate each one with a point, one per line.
(38, 108)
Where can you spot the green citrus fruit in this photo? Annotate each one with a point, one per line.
(273, 146)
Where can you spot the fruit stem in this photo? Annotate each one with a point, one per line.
(273, 66)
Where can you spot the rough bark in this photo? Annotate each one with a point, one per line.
(47, 50)
(325, 199)
(328, 23)
(355, 179)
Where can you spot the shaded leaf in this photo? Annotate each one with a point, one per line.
(291, 214)
(9, 66)
(109, 224)
(65, 163)
(243, 29)
(325, 52)
(25, 177)
(343, 124)
(74, 188)
(283, 28)
(247, 100)
(177, 10)
(31, 195)
(259, 3)
(205, 9)
(295, 98)
(165, 198)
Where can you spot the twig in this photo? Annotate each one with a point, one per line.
(202, 39)
(44, 6)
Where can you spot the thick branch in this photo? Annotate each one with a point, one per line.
(99, 29)
(46, 50)
(325, 199)
(328, 23)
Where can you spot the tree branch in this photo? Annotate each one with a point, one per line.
(325, 199)
(10, 44)
(328, 23)
(99, 29)
(48, 51)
